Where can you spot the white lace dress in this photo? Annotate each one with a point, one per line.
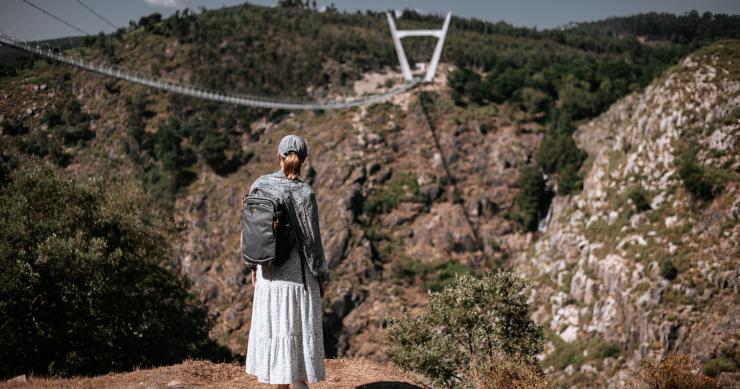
(286, 343)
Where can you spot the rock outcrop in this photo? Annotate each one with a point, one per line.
(647, 280)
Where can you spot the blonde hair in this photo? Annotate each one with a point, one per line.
(292, 165)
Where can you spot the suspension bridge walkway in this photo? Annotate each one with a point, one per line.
(201, 93)
(233, 98)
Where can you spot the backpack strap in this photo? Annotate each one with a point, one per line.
(290, 205)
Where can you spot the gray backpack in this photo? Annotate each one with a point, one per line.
(269, 229)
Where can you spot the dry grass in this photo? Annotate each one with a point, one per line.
(676, 371)
(341, 373)
(504, 372)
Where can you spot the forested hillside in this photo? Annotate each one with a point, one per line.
(691, 27)
(455, 177)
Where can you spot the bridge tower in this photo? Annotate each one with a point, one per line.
(439, 34)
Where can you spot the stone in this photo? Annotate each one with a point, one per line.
(670, 221)
(569, 334)
(613, 215)
(430, 192)
(18, 379)
(588, 369)
(569, 369)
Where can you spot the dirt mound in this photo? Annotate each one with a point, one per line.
(341, 373)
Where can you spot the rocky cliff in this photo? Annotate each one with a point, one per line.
(637, 265)
(408, 195)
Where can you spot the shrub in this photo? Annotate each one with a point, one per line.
(472, 318)
(558, 153)
(164, 179)
(676, 371)
(85, 281)
(569, 181)
(668, 270)
(15, 127)
(603, 350)
(534, 100)
(403, 187)
(212, 149)
(45, 144)
(501, 371)
(443, 274)
(533, 199)
(640, 198)
(697, 179)
(716, 366)
(467, 87)
(435, 276)
(565, 353)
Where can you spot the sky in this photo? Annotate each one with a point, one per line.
(20, 19)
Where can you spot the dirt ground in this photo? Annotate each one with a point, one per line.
(341, 373)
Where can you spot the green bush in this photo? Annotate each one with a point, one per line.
(558, 153)
(471, 318)
(533, 199)
(434, 276)
(569, 181)
(697, 179)
(603, 350)
(534, 100)
(47, 144)
(85, 281)
(15, 127)
(640, 198)
(164, 179)
(402, 187)
(668, 270)
(716, 366)
(565, 354)
(213, 148)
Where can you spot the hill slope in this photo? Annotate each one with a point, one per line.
(636, 265)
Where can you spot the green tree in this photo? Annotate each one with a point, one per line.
(533, 199)
(472, 318)
(558, 153)
(85, 281)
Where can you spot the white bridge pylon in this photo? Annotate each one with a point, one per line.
(439, 34)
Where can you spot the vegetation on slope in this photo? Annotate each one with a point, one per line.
(86, 286)
(473, 318)
(690, 27)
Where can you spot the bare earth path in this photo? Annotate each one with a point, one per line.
(341, 373)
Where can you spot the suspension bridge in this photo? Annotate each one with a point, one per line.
(242, 99)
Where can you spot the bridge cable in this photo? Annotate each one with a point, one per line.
(219, 96)
(55, 17)
(101, 17)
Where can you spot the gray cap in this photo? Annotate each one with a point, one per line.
(293, 143)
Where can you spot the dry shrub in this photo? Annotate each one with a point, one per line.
(676, 371)
(501, 371)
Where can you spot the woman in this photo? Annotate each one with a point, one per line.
(286, 343)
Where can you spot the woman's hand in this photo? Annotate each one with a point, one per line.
(322, 288)
(254, 278)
